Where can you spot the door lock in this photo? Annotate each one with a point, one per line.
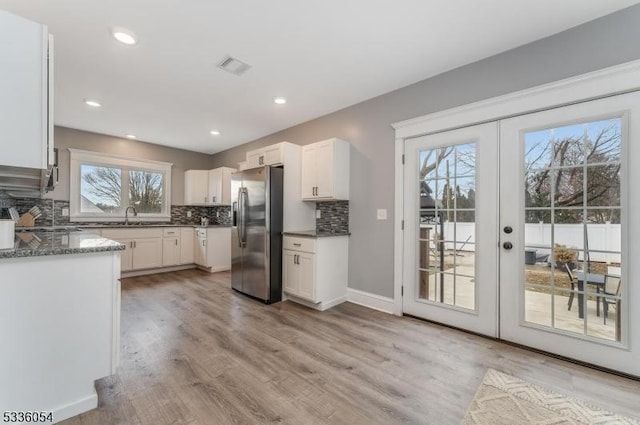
(508, 229)
(507, 245)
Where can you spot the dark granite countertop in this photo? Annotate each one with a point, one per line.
(315, 234)
(141, 226)
(59, 242)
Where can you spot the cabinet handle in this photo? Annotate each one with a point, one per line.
(295, 259)
(176, 242)
(297, 244)
(131, 244)
(213, 199)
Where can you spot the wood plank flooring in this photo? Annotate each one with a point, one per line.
(195, 352)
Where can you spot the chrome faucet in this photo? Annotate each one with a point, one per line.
(126, 214)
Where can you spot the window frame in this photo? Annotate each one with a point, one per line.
(126, 164)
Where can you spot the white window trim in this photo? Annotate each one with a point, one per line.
(590, 86)
(78, 157)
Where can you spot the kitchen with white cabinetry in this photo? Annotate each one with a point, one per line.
(119, 304)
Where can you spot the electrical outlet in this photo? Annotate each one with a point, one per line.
(318, 214)
(382, 214)
(65, 212)
(218, 214)
(188, 214)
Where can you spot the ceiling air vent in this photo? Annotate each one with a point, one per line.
(233, 65)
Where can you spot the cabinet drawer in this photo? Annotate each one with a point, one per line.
(171, 232)
(299, 244)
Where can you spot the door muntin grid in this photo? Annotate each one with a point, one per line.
(573, 228)
(446, 222)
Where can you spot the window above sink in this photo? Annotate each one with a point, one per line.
(102, 186)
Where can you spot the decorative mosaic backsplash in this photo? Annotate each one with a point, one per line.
(217, 215)
(52, 211)
(334, 217)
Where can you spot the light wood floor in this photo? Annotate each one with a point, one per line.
(195, 352)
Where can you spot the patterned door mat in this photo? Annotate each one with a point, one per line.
(504, 399)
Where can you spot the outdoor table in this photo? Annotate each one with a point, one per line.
(592, 279)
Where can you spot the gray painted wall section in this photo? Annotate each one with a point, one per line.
(182, 160)
(605, 42)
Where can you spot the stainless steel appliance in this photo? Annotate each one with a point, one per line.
(256, 237)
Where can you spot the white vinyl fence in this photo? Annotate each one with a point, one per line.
(604, 240)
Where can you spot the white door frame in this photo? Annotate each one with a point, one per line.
(598, 84)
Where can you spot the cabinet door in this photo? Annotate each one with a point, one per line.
(215, 186)
(170, 251)
(24, 92)
(255, 159)
(273, 155)
(325, 170)
(309, 171)
(147, 253)
(219, 248)
(201, 252)
(126, 256)
(307, 284)
(196, 187)
(186, 246)
(291, 272)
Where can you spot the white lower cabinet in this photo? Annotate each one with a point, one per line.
(143, 247)
(315, 270)
(186, 245)
(213, 248)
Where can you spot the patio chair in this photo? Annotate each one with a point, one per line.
(611, 289)
(573, 280)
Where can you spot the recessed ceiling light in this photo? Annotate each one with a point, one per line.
(92, 103)
(280, 100)
(124, 36)
(214, 132)
(130, 136)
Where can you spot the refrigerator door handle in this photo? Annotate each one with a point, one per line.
(243, 216)
(238, 205)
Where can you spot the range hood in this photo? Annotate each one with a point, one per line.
(29, 182)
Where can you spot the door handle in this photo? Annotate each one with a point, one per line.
(507, 245)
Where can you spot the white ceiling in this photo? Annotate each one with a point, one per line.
(321, 55)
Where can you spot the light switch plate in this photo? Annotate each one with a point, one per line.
(188, 214)
(382, 214)
(318, 214)
(65, 212)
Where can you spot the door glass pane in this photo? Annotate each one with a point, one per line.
(446, 239)
(100, 189)
(572, 228)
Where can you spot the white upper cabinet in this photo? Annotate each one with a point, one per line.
(325, 170)
(208, 187)
(196, 189)
(220, 185)
(26, 87)
(270, 155)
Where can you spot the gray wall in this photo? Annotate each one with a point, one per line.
(607, 41)
(182, 160)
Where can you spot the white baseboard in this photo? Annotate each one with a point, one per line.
(373, 301)
(77, 407)
(322, 306)
(159, 270)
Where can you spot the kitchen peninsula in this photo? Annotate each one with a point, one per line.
(59, 320)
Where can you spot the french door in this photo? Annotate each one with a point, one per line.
(526, 229)
(451, 261)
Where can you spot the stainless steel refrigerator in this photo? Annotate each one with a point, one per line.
(256, 237)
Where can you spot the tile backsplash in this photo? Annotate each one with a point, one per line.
(334, 216)
(52, 211)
